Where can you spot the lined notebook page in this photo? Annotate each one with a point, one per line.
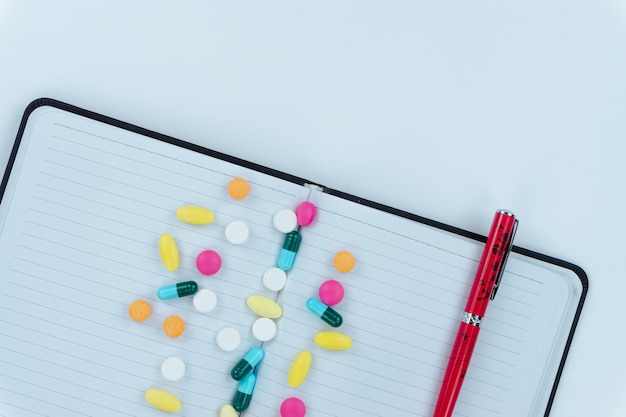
(81, 218)
(402, 307)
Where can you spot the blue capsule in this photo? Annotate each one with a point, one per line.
(288, 252)
(242, 398)
(182, 289)
(324, 312)
(247, 363)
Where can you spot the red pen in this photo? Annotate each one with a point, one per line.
(486, 282)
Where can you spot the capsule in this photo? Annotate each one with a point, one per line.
(289, 250)
(247, 363)
(324, 312)
(242, 398)
(181, 289)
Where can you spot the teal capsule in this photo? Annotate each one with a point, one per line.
(288, 252)
(247, 363)
(182, 289)
(242, 398)
(324, 312)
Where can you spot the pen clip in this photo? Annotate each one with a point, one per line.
(504, 259)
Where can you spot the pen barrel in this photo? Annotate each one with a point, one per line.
(457, 369)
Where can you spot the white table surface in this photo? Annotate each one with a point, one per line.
(449, 109)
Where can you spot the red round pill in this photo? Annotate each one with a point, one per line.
(331, 292)
(208, 262)
(305, 213)
(292, 407)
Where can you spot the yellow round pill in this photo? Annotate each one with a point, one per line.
(173, 326)
(344, 261)
(139, 310)
(163, 400)
(238, 188)
(299, 368)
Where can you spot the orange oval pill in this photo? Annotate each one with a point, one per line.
(344, 261)
(173, 326)
(238, 188)
(139, 310)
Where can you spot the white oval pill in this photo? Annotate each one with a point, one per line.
(264, 329)
(237, 232)
(285, 220)
(228, 410)
(205, 300)
(228, 339)
(274, 278)
(173, 368)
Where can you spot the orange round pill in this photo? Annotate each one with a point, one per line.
(238, 188)
(344, 261)
(139, 310)
(173, 326)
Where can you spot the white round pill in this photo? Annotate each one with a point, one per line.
(285, 220)
(274, 278)
(173, 368)
(264, 329)
(228, 339)
(205, 300)
(237, 232)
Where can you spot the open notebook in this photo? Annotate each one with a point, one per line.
(85, 200)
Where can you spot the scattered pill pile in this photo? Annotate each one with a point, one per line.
(264, 328)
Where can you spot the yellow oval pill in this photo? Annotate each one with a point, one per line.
(168, 251)
(299, 368)
(228, 410)
(333, 340)
(264, 307)
(195, 215)
(163, 400)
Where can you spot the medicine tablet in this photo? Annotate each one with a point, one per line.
(238, 188)
(163, 400)
(333, 340)
(285, 220)
(331, 292)
(274, 279)
(299, 368)
(292, 407)
(264, 329)
(168, 251)
(195, 215)
(344, 261)
(228, 339)
(139, 310)
(305, 213)
(264, 307)
(237, 232)
(208, 262)
(173, 368)
(227, 410)
(173, 326)
(205, 300)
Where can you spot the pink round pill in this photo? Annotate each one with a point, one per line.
(305, 213)
(208, 262)
(331, 292)
(292, 407)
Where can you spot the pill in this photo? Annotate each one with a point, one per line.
(331, 292)
(208, 262)
(237, 232)
(274, 279)
(299, 368)
(324, 312)
(205, 300)
(173, 326)
(228, 339)
(289, 250)
(247, 363)
(333, 340)
(139, 310)
(181, 289)
(285, 220)
(238, 188)
(264, 329)
(227, 410)
(344, 261)
(163, 400)
(264, 307)
(292, 407)
(168, 252)
(245, 388)
(195, 215)
(305, 213)
(173, 368)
